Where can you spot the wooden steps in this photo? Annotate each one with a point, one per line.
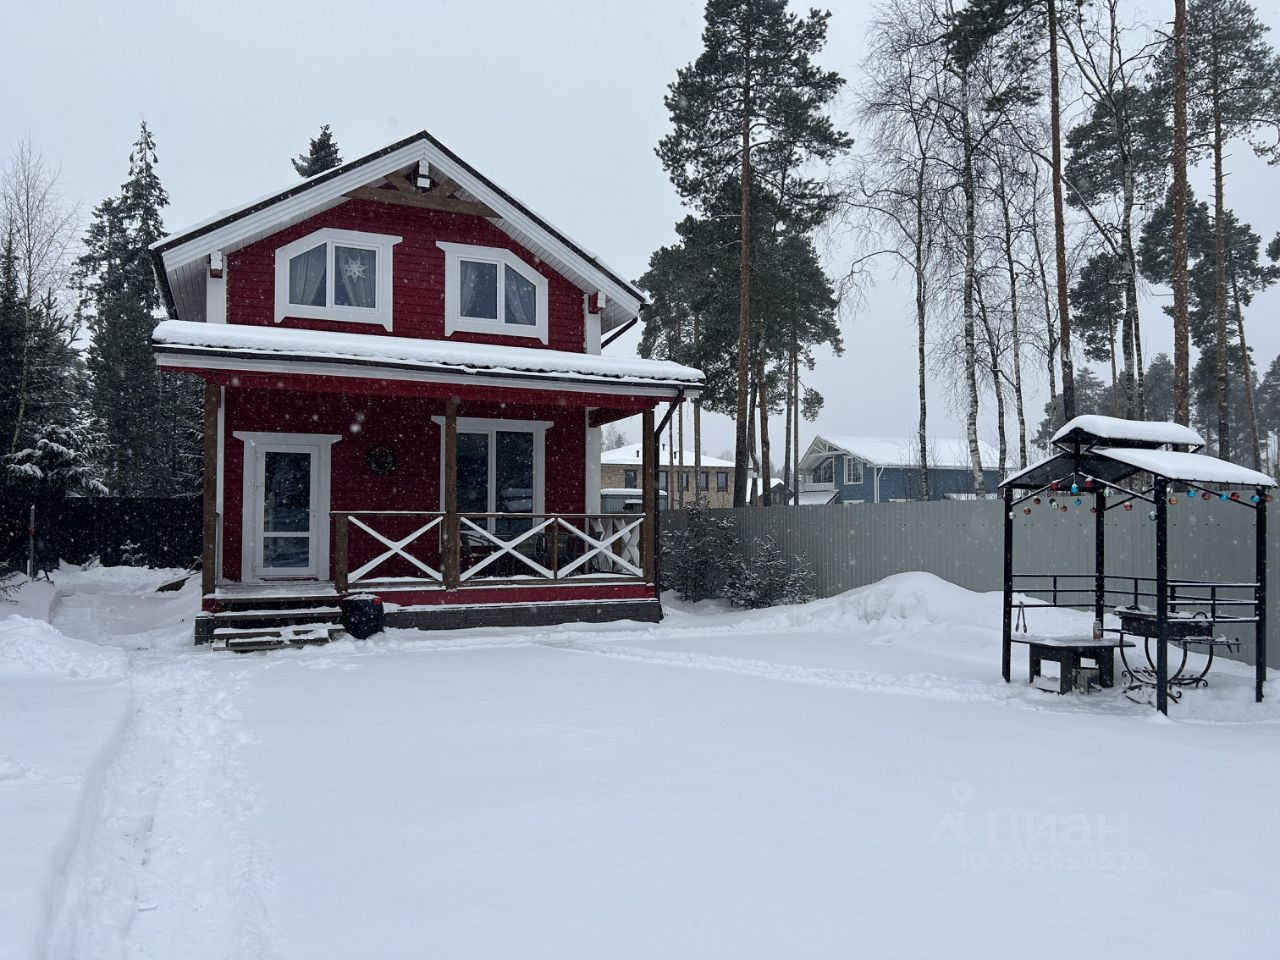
(249, 638)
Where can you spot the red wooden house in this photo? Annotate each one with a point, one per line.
(404, 390)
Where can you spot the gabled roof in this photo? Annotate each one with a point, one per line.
(1111, 450)
(944, 453)
(181, 258)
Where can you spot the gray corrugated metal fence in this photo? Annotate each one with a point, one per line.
(960, 541)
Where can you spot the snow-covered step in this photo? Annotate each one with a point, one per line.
(244, 639)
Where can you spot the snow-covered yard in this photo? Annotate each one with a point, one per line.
(848, 778)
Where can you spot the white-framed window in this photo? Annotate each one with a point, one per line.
(491, 290)
(852, 470)
(341, 275)
(501, 465)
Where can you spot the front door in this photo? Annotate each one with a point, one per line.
(286, 508)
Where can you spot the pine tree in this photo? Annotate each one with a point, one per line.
(150, 420)
(751, 107)
(321, 155)
(1233, 91)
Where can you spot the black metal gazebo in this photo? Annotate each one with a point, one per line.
(1099, 459)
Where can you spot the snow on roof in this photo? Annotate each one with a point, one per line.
(451, 355)
(1135, 431)
(629, 455)
(901, 452)
(811, 497)
(1191, 467)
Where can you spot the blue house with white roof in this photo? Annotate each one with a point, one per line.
(857, 469)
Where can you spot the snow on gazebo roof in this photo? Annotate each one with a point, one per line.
(1191, 467)
(1091, 429)
(1113, 464)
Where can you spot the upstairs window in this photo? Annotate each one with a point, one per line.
(340, 275)
(491, 290)
(852, 470)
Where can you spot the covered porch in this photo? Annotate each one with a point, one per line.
(458, 501)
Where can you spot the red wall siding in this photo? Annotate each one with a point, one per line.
(402, 423)
(418, 274)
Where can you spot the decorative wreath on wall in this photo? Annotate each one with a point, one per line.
(382, 460)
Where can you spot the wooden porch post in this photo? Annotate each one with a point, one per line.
(340, 566)
(649, 487)
(453, 544)
(209, 493)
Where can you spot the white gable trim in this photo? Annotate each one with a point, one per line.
(272, 215)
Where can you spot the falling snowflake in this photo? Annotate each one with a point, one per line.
(353, 269)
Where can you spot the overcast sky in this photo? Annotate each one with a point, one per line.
(560, 102)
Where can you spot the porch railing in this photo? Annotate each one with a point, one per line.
(458, 551)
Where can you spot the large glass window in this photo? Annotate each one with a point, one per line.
(342, 275)
(629, 479)
(493, 290)
(722, 481)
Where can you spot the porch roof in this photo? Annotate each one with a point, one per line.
(188, 344)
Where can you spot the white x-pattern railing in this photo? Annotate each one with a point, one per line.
(489, 547)
(396, 548)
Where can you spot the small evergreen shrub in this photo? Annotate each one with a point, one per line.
(699, 559)
(769, 578)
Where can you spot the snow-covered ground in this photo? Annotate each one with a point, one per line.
(847, 778)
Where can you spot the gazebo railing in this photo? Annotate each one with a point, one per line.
(1060, 590)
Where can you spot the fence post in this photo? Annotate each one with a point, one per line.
(31, 543)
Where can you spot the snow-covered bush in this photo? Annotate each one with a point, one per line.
(698, 560)
(62, 461)
(769, 578)
(131, 555)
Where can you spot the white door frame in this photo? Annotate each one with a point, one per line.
(319, 446)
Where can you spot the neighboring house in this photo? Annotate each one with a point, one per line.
(838, 469)
(404, 391)
(620, 469)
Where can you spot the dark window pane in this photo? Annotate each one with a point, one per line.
(473, 472)
(662, 479)
(355, 277)
(629, 478)
(286, 552)
(515, 472)
(479, 294)
(286, 505)
(307, 277)
(722, 481)
(704, 480)
(522, 300)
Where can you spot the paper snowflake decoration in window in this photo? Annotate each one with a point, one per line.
(353, 269)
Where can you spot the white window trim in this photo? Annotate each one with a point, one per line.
(380, 243)
(454, 322)
(849, 464)
(320, 446)
(491, 426)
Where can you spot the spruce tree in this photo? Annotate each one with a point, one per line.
(150, 421)
(321, 155)
(11, 339)
(751, 107)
